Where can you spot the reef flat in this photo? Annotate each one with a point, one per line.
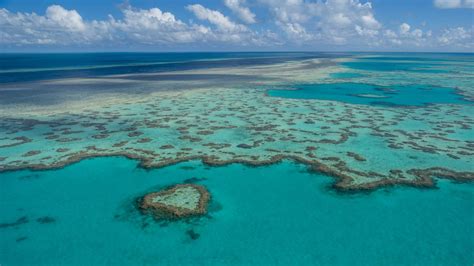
(169, 119)
(179, 201)
(101, 149)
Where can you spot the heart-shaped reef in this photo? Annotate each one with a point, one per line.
(176, 202)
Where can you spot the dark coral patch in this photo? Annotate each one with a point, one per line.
(244, 146)
(144, 140)
(46, 220)
(21, 238)
(18, 222)
(31, 153)
(166, 147)
(356, 156)
(192, 234)
(135, 134)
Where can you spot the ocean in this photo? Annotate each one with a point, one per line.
(309, 158)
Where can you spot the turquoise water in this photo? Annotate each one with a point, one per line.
(85, 213)
(392, 66)
(280, 214)
(409, 62)
(345, 75)
(360, 93)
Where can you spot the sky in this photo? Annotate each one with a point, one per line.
(236, 25)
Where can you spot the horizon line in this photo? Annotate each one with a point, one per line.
(228, 51)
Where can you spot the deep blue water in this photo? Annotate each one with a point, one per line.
(360, 93)
(280, 214)
(22, 76)
(31, 67)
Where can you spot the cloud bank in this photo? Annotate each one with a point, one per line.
(293, 23)
(445, 4)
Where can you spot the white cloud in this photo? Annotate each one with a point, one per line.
(64, 27)
(154, 26)
(457, 37)
(366, 31)
(241, 11)
(370, 22)
(331, 21)
(391, 37)
(447, 3)
(295, 31)
(69, 19)
(301, 22)
(417, 33)
(407, 37)
(341, 20)
(58, 26)
(215, 17)
(404, 28)
(454, 4)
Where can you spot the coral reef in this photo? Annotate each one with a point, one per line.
(179, 201)
(363, 146)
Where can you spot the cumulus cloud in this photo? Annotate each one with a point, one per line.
(404, 28)
(295, 31)
(349, 19)
(454, 4)
(331, 21)
(290, 16)
(154, 26)
(69, 19)
(406, 36)
(457, 36)
(59, 26)
(215, 17)
(300, 22)
(226, 29)
(244, 13)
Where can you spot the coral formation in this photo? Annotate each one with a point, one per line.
(179, 201)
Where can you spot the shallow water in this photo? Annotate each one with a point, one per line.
(393, 66)
(280, 214)
(167, 108)
(346, 75)
(360, 93)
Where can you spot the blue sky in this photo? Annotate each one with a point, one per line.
(237, 25)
